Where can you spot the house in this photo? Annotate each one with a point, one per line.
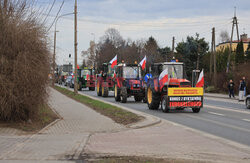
(224, 45)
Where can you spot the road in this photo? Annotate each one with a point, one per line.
(225, 118)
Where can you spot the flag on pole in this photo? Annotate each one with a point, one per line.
(200, 82)
(163, 78)
(143, 62)
(113, 62)
(78, 66)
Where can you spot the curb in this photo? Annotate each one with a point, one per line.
(222, 97)
(149, 120)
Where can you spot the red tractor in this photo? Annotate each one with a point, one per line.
(176, 93)
(105, 80)
(129, 82)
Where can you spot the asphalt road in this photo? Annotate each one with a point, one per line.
(225, 118)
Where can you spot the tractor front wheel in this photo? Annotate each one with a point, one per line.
(105, 91)
(117, 93)
(124, 95)
(164, 104)
(153, 100)
(196, 110)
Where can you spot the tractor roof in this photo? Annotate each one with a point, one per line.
(169, 63)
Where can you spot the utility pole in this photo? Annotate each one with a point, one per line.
(75, 44)
(214, 56)
(235, 23)
(54, 62)
(173, 46)
(211, 58)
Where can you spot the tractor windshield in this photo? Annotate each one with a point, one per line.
(85, 72)
(131, 72)
(174, 71)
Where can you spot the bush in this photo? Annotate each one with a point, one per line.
(24, 58)
(210, 89)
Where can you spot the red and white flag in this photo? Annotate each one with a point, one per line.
(113, 62)
(143, 62)
(163, 78)
(200, 82)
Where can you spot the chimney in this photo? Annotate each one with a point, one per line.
(243, 37)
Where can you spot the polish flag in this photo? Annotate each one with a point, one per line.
(113, 62)
(200, 82)
(163, 78)
(143, 62)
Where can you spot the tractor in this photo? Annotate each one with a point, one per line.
(176, 92)
(128, 82)
(88, 75)
(105, 80)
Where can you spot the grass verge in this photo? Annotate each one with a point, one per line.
(44, 117)
(115, 113)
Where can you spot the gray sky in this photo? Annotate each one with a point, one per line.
(140, 19)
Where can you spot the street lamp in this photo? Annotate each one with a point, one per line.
(54, 55)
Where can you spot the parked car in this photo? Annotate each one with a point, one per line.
(248, 101)
(68, 80)
(72, 82)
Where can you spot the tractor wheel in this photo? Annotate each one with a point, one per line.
(117, 93)
(98, 88)
(153, 100)
(196, 110)
(105, 91)
(164, 104)
(248, 103)
(124, 95)
(137, 98)
(92, 88)
(79, 86)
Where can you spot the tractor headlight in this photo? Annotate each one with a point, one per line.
(165, 89)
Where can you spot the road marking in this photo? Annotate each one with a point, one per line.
(216, 114)
(219, 123)
(248, 120)
(227, 109)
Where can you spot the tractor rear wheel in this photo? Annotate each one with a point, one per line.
(164, 104)
(98, 88)
(117, 93)
(79, 86)
(124, 95)
(153, 100)
(137, 98)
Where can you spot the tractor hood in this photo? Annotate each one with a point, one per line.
(180, 82)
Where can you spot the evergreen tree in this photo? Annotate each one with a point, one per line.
(248, 53)
(239, 58)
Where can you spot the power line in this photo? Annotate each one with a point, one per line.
(49, 11)
(56, 16)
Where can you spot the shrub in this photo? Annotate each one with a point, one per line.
(24, 58)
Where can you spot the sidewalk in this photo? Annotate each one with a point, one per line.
(83, 132)
(219, 95)
(62, 141)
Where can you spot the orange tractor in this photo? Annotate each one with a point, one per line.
(174, 92)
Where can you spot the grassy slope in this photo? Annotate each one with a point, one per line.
(115, 113)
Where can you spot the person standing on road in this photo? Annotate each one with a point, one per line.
(231, 88)
(245, 86)
(241, 90)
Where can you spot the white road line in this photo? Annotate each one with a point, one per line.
(216, 113)
(248, 120)
(227, 109)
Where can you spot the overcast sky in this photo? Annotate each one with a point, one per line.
(140, 19)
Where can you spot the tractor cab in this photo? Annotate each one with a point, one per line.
(176, 73)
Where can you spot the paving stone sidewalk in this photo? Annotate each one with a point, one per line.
(63, 141)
